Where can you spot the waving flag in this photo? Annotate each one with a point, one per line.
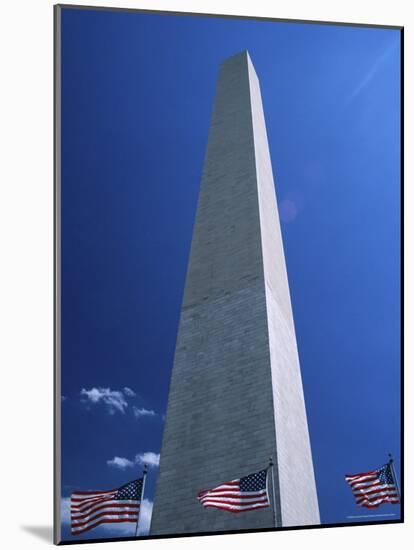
(373, 488)
(88, 509)
(238, 495)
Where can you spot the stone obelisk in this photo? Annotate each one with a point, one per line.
(236, 395)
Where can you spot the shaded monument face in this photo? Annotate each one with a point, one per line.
(236, 394)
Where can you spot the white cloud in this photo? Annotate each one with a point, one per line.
(65, 511)
(120, 462)
(138, 413)
(129, 392)
(150, 458)
(145, 517)
(113, 400)
(115, 529)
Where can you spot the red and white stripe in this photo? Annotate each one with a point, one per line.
(89, 509)
(369, 492)
(229, 497)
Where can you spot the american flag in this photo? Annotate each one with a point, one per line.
(238, 495)
(372, 488)
(88, 509)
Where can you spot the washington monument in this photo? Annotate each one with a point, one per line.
(236, 395)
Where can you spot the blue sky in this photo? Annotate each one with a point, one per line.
(137, 96)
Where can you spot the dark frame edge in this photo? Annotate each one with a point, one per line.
(228, 16)
(237, 532)
(56, 275)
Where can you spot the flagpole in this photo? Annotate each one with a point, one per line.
(391, 463)
(144, 477)
(273, 490)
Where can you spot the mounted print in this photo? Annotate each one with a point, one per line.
(228, 341)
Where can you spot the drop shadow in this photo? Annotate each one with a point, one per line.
(43, 532)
